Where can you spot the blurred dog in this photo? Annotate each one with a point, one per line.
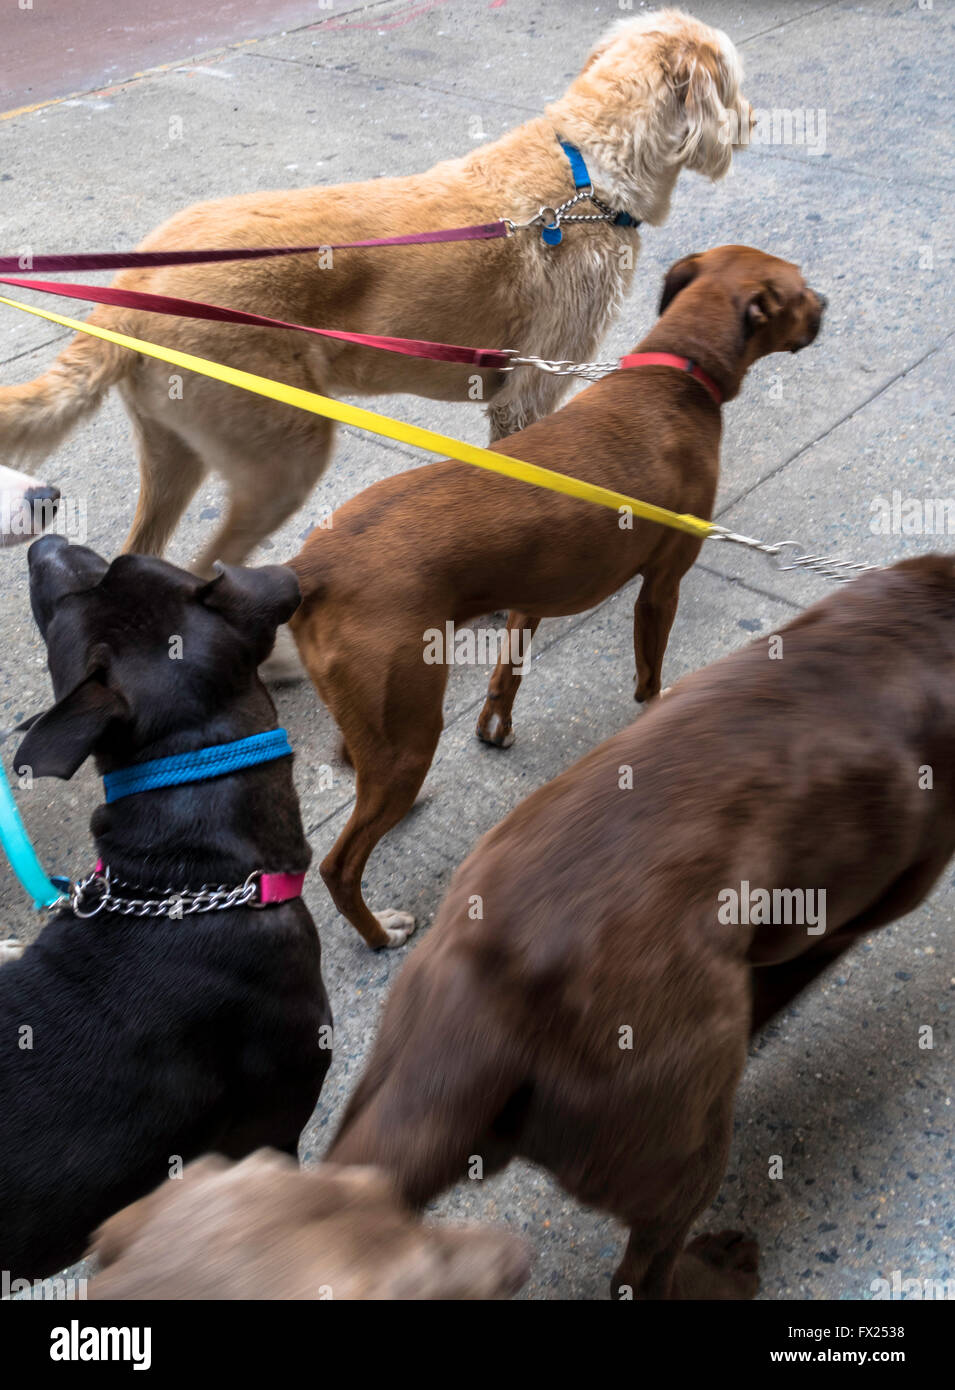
(151, 1021)
(438, 545)
(594, 1019)
(658, 94)
(265, 1229)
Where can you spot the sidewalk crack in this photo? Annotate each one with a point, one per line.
(843, 419)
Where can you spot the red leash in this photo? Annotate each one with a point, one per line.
(493, 359)
(129, 260)
(489, 358)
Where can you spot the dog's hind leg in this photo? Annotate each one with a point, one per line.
(169, 474)
(391, 724)
(653, 615)
(718, 1266)
(494, 721)
(441, 1074)
(657, 1264)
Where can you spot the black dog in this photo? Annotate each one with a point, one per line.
(155, 1038)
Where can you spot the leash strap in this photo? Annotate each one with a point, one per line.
(21, 854)
(197, 766)
(130, 260)
(823, 566)
(489, 358)
(414, 435)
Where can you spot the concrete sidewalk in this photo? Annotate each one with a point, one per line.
(839, 1088)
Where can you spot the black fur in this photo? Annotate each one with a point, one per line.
(155, 1038)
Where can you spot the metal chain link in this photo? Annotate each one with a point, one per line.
(592, 371)
(174, 904)
(824, 566)
(552, 217)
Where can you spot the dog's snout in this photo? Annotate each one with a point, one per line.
(43, 548)
(41, 494)
(58, 568)
(821, 299)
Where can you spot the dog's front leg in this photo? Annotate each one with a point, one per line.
(494, 721)
(776, 986)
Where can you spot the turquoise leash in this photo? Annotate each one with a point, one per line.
(21, 854)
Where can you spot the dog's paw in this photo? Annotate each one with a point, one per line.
(731, 1260)
(398, 927)
(11, 950)
(492, 729)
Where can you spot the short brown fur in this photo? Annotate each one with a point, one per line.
(503, 1036)
(447, 542)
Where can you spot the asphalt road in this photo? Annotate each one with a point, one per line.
(839, 1088)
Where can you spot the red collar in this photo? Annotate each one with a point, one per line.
(670, 359)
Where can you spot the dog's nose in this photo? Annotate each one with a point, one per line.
(823, 301)
(42, 494)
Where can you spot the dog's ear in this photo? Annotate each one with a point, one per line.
(252, 600)
(700, 75)
(762, 306)
(63, 737)
(680, 274)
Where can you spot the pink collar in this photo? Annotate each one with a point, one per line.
(279, 888)
(670, 359)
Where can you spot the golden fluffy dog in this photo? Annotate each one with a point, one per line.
(658, 94)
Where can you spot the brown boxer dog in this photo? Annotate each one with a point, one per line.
(595, 1021)
(447, 542)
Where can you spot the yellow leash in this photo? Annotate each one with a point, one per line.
(391, 429)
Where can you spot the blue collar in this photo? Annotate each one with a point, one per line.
(197, 766)
(582, 179)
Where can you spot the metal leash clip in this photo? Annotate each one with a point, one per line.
(823, 566)
(547, 215)
(590, 371)
(551, 218)
(81, 889)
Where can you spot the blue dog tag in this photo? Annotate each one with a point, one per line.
(552, 236)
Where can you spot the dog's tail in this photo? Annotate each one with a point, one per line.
(440, 1078)
(37, 415)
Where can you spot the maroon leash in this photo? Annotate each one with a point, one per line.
(487, 358)
(130, 260)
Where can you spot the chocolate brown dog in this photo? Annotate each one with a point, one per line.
(595, 1020)
(446, 542)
